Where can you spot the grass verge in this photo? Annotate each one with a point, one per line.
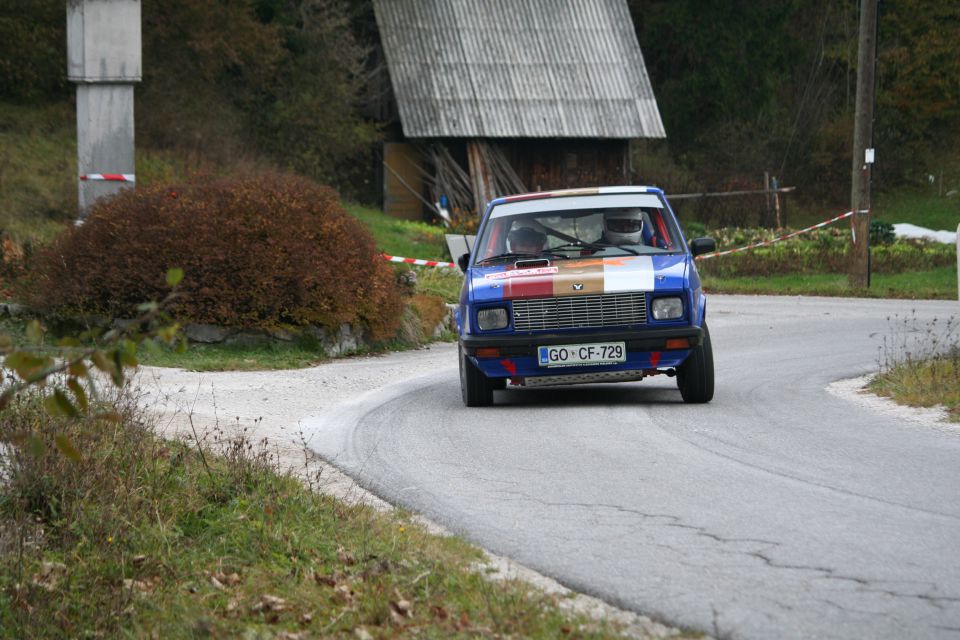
(143, 537)
(923, 384)
(936, 284)
(218, 357)
(920, 365)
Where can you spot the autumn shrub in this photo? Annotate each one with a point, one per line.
(258, 253)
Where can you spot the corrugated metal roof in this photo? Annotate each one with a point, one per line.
(517, 69)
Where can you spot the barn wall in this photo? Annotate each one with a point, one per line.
(565, 164)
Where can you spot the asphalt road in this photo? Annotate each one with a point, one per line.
(778, 510)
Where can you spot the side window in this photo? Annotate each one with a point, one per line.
(659, 230)
(495, 238)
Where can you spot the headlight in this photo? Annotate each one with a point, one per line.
(489, 319)
(667, 308)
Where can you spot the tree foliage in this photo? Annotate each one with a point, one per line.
(918, 105)
(33, 49)
(745, 87)
(242, 77)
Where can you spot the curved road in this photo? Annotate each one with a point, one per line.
(778, 510)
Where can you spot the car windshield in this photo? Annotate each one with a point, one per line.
(576, 227)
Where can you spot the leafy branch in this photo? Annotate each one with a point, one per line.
(116, 352)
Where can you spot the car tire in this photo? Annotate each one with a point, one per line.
(695, 375)
(476, 388)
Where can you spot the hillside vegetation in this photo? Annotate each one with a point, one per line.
(742, 89)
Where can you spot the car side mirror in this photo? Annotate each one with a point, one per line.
(463, 261)
(702, 245)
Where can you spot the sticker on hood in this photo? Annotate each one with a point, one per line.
(517, 273)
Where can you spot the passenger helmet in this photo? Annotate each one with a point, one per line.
(623, 226)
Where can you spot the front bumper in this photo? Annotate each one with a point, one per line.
(517, 354)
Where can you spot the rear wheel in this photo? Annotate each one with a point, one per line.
(476, 388)
(695, 375)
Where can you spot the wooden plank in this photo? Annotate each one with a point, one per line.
(400, 200)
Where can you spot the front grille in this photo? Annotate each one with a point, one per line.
(606, 310)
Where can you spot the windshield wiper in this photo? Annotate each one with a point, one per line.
(578, 245)
(593, 246)
(508, 256)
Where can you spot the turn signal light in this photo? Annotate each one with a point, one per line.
(488, 352)
(678, 343)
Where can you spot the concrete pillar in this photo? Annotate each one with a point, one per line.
(104, 60)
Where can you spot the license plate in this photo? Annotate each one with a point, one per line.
(570, 354)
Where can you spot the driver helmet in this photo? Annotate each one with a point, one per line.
(623, 226)
(525, 240)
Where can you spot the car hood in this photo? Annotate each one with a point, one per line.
(579, 277)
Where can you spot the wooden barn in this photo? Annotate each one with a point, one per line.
(509, 96)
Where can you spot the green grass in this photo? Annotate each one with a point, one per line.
(919, 208)
(216, 357)
(142, 537)
(402, 237)
(938, 284)
(441, 282)
(38, 170)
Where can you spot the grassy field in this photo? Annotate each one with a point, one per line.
(922, 209)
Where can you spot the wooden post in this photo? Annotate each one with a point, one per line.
(862, 139)
(480, 178)
(776, 208)
(767, 218)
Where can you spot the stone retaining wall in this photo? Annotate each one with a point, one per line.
(345, 339)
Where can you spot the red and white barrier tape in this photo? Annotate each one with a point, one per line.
(778, 239)
(434, 263)
(110, 177)
(425, 263)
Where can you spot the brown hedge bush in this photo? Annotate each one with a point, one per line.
(258, 252)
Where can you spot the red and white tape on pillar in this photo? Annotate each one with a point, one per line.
(780, 238)
(110, 177)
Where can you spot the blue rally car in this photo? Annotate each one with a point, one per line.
(585, 285)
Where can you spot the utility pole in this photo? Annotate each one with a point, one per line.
(103, 59)
(863, 146)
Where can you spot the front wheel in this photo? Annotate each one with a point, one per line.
(695, 375)
(475, 388)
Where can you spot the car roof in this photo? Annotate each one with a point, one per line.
(563, 193)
